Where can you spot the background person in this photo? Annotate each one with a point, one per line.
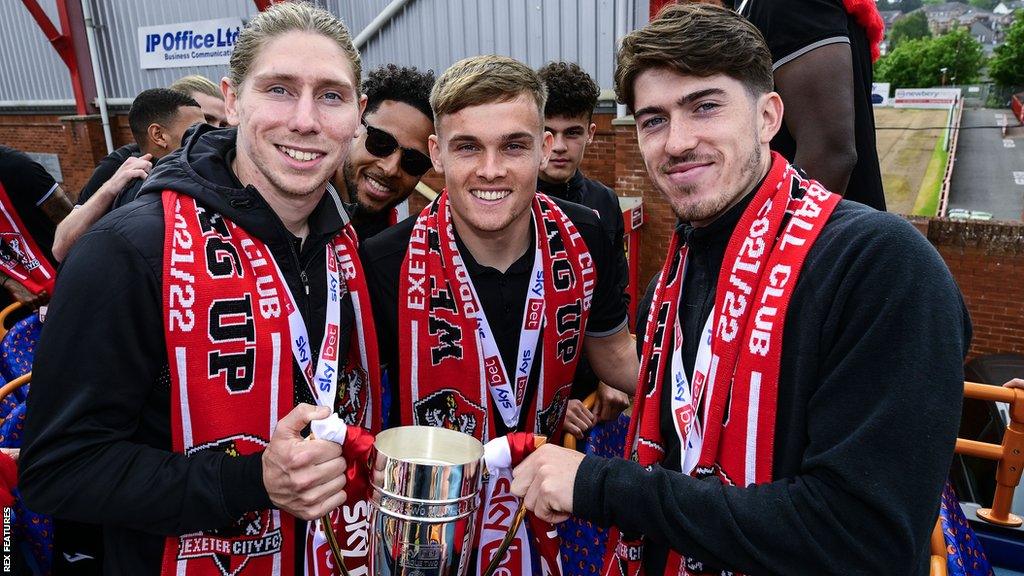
(158, 118)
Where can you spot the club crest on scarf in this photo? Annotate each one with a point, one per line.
(254, 534)
(550, 417)
(12, 254)
(450, 409)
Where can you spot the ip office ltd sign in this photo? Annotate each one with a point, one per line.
(204, 43)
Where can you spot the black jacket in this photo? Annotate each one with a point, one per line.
(868, 408)
(97, 438)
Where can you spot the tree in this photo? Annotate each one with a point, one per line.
(1007, 65)
(909, 27)
(984, 4)
(920, 63)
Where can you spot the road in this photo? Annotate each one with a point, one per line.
(989, 170)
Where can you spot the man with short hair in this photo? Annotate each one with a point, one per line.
(389, 154)
(568, 116)
(192, 333)
(795, 413)
(199, 88)
(487, 299)
(207, 94)
(158, 118)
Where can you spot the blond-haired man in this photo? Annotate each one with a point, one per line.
(193, 333)
(207, 94)
(486, 300)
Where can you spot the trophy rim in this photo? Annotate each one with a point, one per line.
(429, 445)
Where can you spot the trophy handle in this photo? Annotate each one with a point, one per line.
(517, 521)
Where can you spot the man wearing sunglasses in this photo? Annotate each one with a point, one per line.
(389, 154)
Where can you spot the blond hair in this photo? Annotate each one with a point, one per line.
(195, 83)
(283, 18)
(485, 80)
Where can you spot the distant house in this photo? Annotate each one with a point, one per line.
(943, 17)
(1006, 7)
(983, 34)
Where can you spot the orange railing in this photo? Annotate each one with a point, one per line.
(1009, 458)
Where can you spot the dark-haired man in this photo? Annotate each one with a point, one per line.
(389, 154)
(568, 116)
(158, 118)
(794, 412)
(199, 88)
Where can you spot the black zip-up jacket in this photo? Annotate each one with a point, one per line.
(97, 438)
(867, 412)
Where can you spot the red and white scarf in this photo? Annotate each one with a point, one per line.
(725, 419)
(451, 365)
(20, 256)
(229, 322)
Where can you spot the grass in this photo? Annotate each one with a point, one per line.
(905, 151)
(927, 202)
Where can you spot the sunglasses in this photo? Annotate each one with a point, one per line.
(382, 144)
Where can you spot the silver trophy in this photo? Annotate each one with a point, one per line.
(426, 485)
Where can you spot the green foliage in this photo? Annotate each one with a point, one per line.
(909, 27)
(1007, 65)
(919, 63)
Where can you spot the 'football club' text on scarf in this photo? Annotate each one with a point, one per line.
(737, 367)
(227, 312)
(453, 372)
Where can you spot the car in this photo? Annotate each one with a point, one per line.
(962, 214)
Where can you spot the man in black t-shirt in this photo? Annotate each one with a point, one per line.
(821, 62)
(158, 118)
(482, 301)
(568, 116)
(40, 203)
(492, 225)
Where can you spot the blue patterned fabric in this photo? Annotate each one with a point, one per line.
(18, 349)
(964, 555)
(33, 531)
(12, 427)
(583, 543)
(7, 404)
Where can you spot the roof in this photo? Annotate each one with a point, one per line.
(946, 7)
